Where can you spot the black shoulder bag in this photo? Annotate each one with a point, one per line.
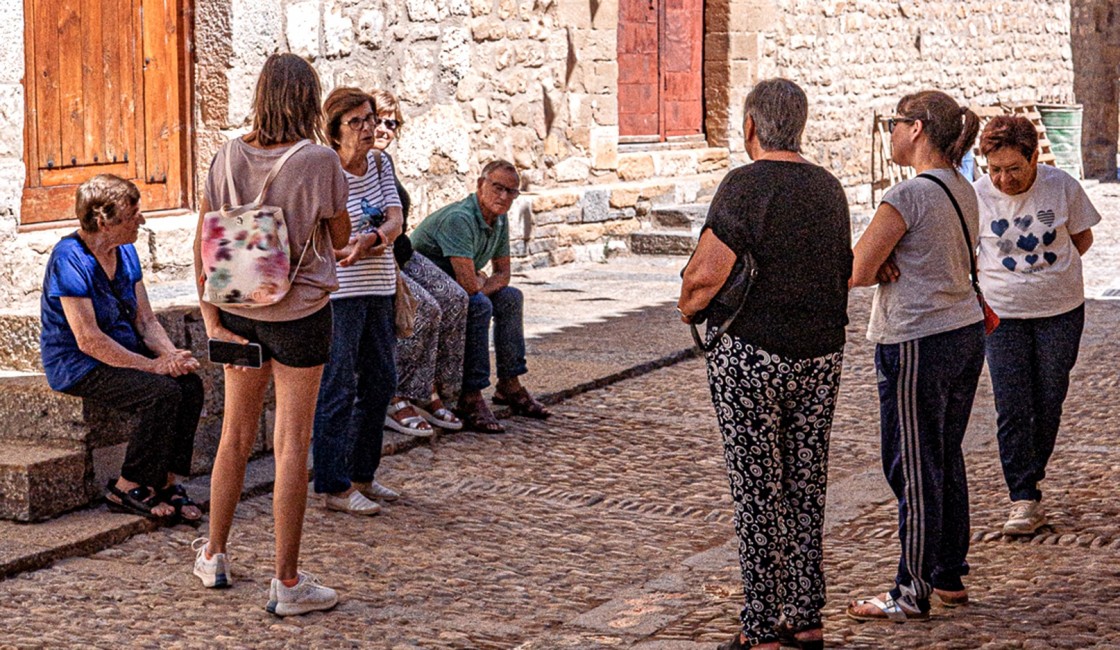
(991, 318)
(729, 301)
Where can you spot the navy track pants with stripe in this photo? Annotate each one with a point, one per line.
(926, 389)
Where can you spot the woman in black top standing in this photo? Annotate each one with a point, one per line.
(774, 375)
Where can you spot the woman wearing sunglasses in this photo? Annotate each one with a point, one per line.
(929, 334)
(430, 362)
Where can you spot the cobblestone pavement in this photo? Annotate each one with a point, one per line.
(608, 526)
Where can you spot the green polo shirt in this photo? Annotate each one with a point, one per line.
(458, 230)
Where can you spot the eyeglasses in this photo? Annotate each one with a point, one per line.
(388, 123)
(894, 121)
(502, 189)
(358, 123)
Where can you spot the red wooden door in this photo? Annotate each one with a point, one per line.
(104, 95)
(682, 58)
(638, 97)
(660, 63)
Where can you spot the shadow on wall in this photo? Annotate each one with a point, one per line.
(1095, 39)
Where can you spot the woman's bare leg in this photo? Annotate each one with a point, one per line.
(297, 391)
(244, 401)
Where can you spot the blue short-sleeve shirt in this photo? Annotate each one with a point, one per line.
(73, 272)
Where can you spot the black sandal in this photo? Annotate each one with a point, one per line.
(176, 496)
(736, 643)
(137, 501)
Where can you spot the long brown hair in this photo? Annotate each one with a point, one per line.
(286, 106)
(950, 128)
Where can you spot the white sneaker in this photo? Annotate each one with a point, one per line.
(214, 572)
(377, 491)
(307, 596)
(355, 503)
(1026, 518)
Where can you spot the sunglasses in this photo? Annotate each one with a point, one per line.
(388, 123)
(894, 121)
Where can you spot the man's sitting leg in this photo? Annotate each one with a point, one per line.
(509, 350)
(472, 409)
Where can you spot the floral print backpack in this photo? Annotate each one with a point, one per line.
(245, 249)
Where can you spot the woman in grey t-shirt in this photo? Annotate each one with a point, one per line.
(927, 327)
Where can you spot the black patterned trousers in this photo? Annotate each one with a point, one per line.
(775, 414)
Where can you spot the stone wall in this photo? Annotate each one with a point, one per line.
(1096, 67)
(855, 57)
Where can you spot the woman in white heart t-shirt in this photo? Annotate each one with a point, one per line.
(1035, 224)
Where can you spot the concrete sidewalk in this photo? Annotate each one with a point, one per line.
(587, 325)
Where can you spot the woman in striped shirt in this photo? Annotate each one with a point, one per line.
(361, 375)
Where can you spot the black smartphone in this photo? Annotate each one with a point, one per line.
(235, 354)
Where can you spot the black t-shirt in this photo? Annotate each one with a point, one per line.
(793, 218)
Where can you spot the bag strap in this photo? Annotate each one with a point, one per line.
(964, 229)
(234, 200)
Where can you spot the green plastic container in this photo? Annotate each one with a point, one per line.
(1063, 128)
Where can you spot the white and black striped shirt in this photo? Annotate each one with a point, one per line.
(370, 196)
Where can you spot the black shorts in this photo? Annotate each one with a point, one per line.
(301, 343)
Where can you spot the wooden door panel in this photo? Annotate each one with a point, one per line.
(637, 68)
(104, 93)
(682, 60)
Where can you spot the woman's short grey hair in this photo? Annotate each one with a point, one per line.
(779, 109)
(104, 197)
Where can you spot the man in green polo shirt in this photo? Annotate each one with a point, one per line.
(461, 238)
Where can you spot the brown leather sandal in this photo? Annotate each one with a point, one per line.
(522, 403)
(476, 416)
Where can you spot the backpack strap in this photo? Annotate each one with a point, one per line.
(233, 198)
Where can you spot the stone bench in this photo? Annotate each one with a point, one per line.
(55, 455)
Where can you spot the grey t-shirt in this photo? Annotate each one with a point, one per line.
(310, 187)
(933, 293)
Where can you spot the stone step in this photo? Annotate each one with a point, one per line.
(35, 414)
(662, 242)
(686, 216)
(38, 482)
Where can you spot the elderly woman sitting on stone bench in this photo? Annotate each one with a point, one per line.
(101, 341)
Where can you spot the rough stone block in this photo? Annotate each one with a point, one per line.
(604, 148)
(625, 198)
(40, 482)
(712, 160)
(338, 32)
(371, 28)
(552, 201)
(35, 414)
(302, 28)
(11, 42)
(660, 243)
(596, 206)
(632, 167)
(572, 169)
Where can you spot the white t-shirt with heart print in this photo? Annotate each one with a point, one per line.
(1028, 265)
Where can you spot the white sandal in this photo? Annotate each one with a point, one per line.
(885, 610)
(411, 425)
(441, 417)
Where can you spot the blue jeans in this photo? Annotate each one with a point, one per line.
(358, 381)
(926, 388)
(1030, 360)
(504, 307)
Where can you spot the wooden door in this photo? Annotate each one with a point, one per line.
(660, 69)
(105, 94)
(682, 60)
(638, 96)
